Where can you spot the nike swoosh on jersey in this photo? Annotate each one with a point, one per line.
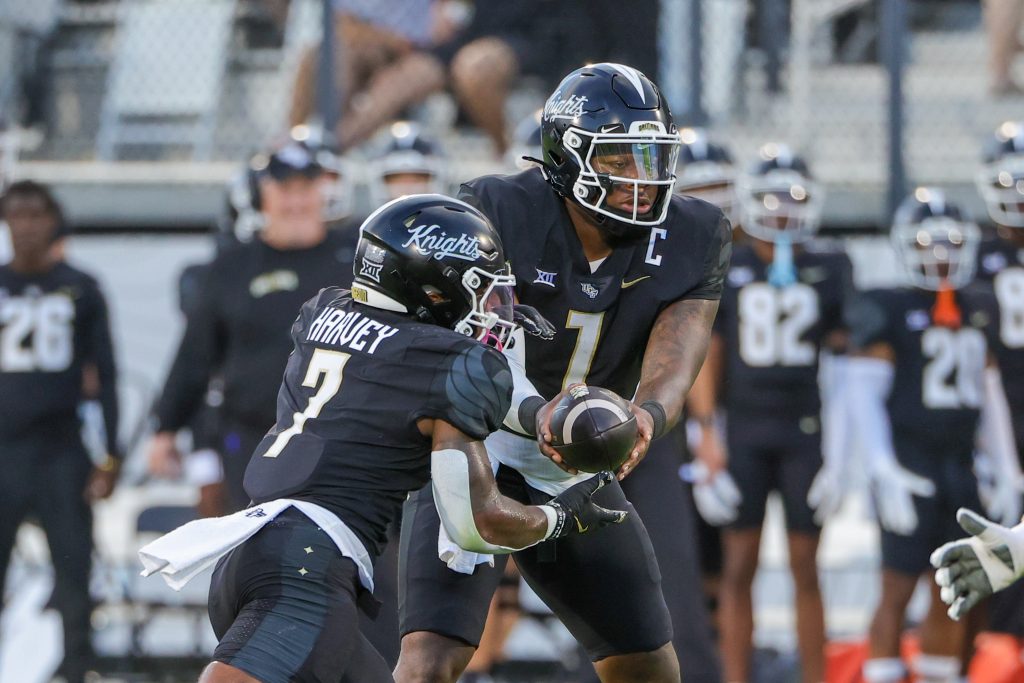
(629, 283)
(579, 525)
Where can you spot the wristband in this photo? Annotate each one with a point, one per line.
(527, 414)
(555, 520)
(657, 412)
(703, 420)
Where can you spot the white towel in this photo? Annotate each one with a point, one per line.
(185, 552)
(457, 559)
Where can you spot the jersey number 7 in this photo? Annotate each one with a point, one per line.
(330, 365)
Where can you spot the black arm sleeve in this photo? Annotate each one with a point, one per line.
(474, 392)
(200, 352)
(101, 353)
(716, 262)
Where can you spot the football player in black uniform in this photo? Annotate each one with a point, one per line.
(388, 387)
(54, 331)
(706, 171)
(922, 380)
(1001, 263)
(251, 291)
(409, 163)
(630, 274)
(781, 308)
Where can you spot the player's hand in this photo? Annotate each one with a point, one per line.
(714, 493)
(973, 568)
(644, 434)
(578, 513)
(532, 322)
(164, 458)
(544, 430)
(895, 488)
(102, 480)
(825, 496)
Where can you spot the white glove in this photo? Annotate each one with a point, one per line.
(717, 497)
(826, 493)
(895, 488)
(1000, 492)
(973, 568)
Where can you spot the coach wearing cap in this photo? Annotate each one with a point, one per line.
(239, 328)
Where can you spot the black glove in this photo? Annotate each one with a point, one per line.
(578, 514)
(532, 322)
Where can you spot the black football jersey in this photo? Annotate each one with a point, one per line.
(603, 318)
(1002, 265)
(238, 327)
(937, 386)
(51, 325)
(773, 335)
(357, 381)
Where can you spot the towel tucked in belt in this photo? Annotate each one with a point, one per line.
(185, 552)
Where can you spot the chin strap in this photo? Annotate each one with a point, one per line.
(782, 271)
(946, 312)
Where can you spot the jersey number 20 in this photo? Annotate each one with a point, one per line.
(47, 320)
(772, 322)
(952, 351)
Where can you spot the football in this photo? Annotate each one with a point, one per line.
(593, 429)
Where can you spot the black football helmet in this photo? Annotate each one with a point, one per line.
(607, 132)
(778, 198)
(407, 151)
(705, 170)
(1001, 179)
(935, 240)
(526, 142)
(339, 190)
(440, 260)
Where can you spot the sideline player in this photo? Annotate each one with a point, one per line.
(630, 274)
(53, 326)
(388, 387)
(781, 308)
(1001, 262)
(922, 379)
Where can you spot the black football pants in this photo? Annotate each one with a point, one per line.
(44, 475)
(666, 506)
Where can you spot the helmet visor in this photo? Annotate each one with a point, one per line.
(635, 161)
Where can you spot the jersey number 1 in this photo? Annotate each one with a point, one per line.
(329, 364)
(589, 325)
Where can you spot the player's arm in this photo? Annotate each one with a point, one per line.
(198, 355)
(703, 402)
(478, 518)
(100, 354)
(675, 352)
(996, 438)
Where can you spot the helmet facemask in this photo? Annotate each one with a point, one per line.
(1001, 185)
(939, 252)
(627, 177)
(780, 205)
(490, 314)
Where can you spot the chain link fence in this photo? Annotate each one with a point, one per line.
(206, 81)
